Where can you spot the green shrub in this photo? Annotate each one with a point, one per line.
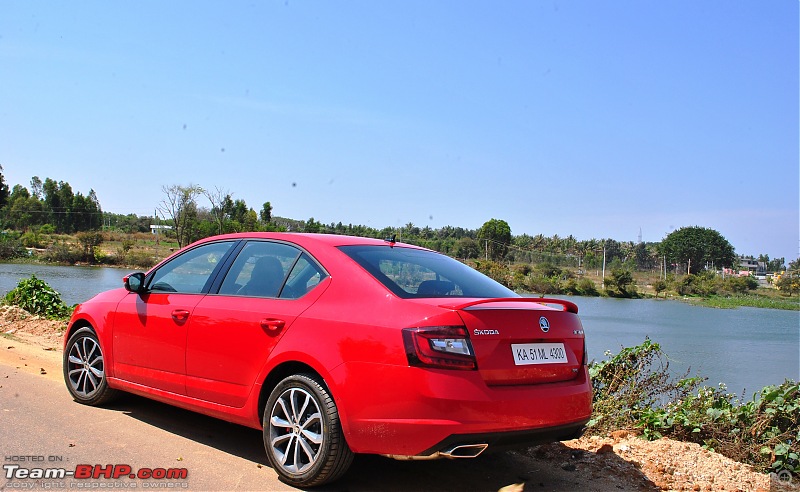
(544, 285)
(140, 259)
(60, 252)
(37, 297)
(11, 247)
(629, 384)
(496, 271)
(659, 286)
(620, 283)
(740, 285)
(634, 390)
(548, 270)
(32, 240)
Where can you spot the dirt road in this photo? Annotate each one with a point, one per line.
(42, 428)
(40, 420)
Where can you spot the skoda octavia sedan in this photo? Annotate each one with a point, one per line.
(336, 345)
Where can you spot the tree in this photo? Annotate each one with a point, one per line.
(695, 247)
(789, 283)
(36, 187)
(660, 286)
(495, 235)
(620, 281)
(312, 225)
(180, 206)
(89, 241)
(266, 213)
(3, 189)
(221, 203)
(467, 248)
(23, 210)
(776, 265)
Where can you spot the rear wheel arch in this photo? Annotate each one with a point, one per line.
(278, 374)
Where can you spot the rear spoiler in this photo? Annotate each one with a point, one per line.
(566, 305)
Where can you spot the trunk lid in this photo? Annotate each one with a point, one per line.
(524, 340)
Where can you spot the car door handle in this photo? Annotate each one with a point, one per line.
(180, 315)
(272, 326)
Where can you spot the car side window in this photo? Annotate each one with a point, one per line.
(305, 275)
(260, 269)
(189, 272)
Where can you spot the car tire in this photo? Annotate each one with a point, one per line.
(302, 433)
(84, 369)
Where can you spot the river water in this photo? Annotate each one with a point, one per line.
(745, 348)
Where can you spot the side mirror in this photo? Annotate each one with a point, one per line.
(134, 282)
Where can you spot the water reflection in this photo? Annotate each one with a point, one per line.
(75, 284)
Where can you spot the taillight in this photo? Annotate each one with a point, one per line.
(445, 347)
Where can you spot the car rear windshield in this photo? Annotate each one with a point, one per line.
(414, 273)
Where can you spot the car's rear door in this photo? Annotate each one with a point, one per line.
(233, 331)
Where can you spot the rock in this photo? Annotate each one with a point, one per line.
(619, 434)
(605, 449)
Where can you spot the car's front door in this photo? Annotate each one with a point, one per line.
(149, 343)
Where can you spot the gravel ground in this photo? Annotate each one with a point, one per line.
(621, 458)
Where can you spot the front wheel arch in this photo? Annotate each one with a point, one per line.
(84, 367)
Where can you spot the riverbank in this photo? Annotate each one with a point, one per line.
(761, 297)
(764, 299)
(618, 460)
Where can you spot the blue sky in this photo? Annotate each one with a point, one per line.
(587, 118)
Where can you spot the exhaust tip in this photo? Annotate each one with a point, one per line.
(465, 451)
(460, 451)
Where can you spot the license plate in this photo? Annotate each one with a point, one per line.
(538, 353)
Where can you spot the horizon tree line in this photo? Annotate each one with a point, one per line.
(56, 207)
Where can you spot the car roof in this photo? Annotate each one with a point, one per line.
(309, 239)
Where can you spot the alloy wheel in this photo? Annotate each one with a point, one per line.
(296, 430)
(85, 370)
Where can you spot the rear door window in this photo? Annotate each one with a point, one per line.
(270, 269)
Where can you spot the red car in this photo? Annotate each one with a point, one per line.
(336, 345)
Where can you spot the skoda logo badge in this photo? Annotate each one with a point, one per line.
(544, 324)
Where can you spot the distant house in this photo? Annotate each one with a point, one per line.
(155, 229)
(750, 266)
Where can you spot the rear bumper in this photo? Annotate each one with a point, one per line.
(500, 441)
(406, 411)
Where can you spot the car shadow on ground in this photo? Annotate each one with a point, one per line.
(233, 439)
(557, 469)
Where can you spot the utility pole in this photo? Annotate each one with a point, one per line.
(604, 268)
